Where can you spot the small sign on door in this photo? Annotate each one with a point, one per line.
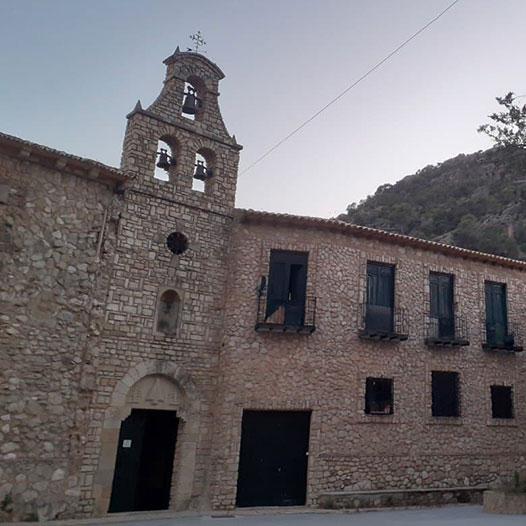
(126, 443)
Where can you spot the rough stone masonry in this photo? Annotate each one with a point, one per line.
(88, 282)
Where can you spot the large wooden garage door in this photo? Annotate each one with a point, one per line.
(273, 458)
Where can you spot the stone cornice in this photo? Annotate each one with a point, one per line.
(139, 111)
(181, 55)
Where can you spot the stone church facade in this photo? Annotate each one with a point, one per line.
(151, 315)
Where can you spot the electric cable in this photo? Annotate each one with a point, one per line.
(349, 88)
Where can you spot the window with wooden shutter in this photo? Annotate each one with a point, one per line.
(496, 314)
(287, 287)
(442, 304)
(380, 297)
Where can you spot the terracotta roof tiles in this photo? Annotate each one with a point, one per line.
(58, 159)
(342, 227)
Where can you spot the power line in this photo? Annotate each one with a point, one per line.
(349, 88)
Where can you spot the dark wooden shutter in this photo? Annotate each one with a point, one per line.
(287, 285)
(496, 314)
(442, 307)
(380, 297)
(277, 284)
(295, 308)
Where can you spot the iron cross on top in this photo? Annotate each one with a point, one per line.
(198, 40)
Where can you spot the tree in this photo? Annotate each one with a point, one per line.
(508, 127)
(467, 233)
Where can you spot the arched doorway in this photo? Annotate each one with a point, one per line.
(145, 451)
(148, 441)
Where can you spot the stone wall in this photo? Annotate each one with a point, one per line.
(326, 371)
(52, 293)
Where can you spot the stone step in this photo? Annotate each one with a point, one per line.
(391, 498)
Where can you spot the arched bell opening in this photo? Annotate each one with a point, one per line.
(203, 169)
(166, 156)
(193, 98)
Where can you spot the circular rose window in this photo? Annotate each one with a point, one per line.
(177, 242)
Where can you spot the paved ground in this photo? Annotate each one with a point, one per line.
(445, 516)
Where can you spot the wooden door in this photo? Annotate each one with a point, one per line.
(127, 463)
(143, 467)
(273, 458)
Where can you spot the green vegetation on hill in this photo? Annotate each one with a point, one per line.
(475, 201)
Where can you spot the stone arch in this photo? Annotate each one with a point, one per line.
(168, 369)
(157, 367)
(152, 384)
(156, 391)
(193, 103)
(198, 83)
(209, 156)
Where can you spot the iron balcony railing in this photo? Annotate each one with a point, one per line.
(446, 331)
(295, 316)
(383, 323)
(502, 336)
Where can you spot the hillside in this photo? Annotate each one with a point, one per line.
(475, 201)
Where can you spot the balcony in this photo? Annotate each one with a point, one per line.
(297, 317)
(502, 337)
(381, 323)
(446, 332)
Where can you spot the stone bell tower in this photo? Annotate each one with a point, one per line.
(186, 117)
(164, 316)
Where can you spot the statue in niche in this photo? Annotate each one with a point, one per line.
(168, 312)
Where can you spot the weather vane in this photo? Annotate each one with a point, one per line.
(198, 41)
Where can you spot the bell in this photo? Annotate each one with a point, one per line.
(200, 171)
(164, 161)
(191, 102)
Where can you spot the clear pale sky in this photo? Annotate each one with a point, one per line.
(70, 70)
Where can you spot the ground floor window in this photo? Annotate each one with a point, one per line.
(445, 388)
(378, 396)
(501, 401)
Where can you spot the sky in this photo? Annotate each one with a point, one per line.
(70, 71)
